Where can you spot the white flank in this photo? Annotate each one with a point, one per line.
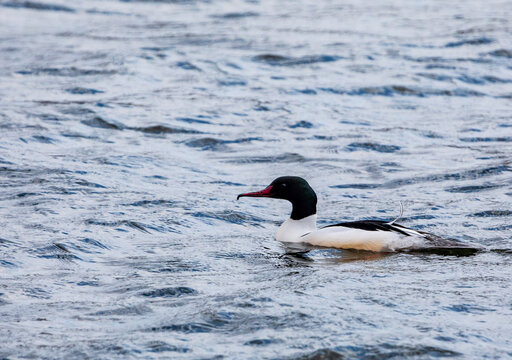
(357, 239)
(340, 237)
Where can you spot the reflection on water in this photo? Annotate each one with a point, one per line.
(129, 127)
(338, 257)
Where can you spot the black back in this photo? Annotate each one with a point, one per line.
(373, 225)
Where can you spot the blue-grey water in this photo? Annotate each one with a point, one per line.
(129, 127)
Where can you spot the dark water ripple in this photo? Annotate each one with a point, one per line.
(32, 5)
(280, 60)
(128, 127)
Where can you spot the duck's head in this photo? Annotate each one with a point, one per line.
(294, 189)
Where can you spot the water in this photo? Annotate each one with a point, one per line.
(129, 127)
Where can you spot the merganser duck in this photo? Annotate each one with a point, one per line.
(370, 235)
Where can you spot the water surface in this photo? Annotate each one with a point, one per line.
(129, 127)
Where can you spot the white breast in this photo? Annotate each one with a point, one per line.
(292, 230)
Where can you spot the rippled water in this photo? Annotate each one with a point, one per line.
(129, 127)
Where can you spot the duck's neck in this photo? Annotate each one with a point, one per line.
(292, 230)
(303, 218)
